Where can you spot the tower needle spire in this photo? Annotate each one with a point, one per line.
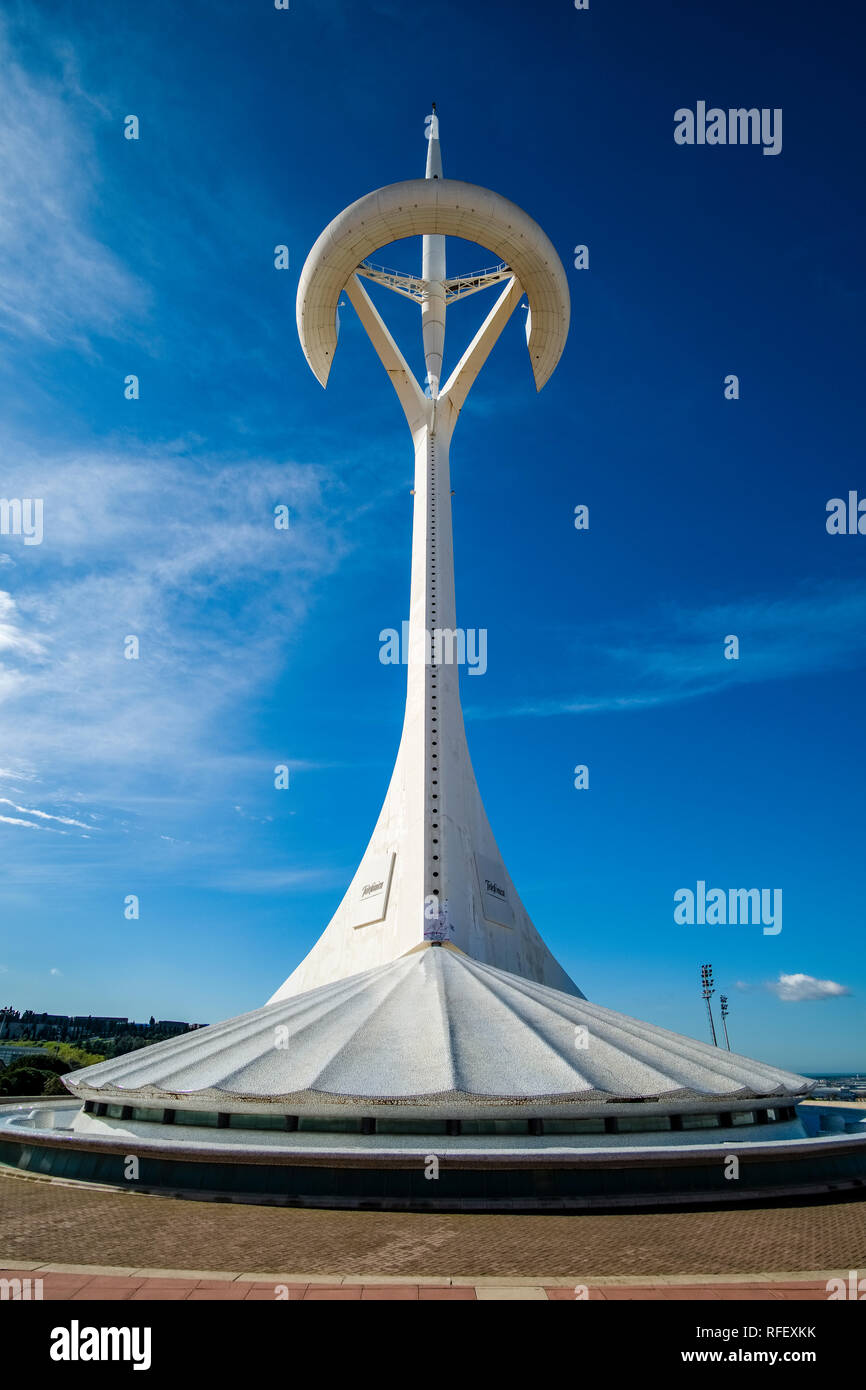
(433, 272)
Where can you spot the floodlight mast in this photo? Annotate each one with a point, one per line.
(723, 1009)
(708, 990)
(432, 871)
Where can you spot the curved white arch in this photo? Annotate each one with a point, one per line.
(418, 207)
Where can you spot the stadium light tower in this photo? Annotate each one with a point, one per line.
(723, 1003)
(708, 990)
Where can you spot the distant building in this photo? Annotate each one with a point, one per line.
(73, 1027)
(10, 1055)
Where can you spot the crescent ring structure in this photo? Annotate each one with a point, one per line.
(439, 207)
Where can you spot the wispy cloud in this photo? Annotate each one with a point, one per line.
(44, 815)
(58, 281)
(14, 820)
(12, 636)
(278, 880)
(158, 548)
(177, 548)
(793, 989)
(679, 656)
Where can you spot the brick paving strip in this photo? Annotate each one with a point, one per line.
(97, 1283)
(73, 1228)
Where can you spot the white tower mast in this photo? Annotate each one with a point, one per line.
(432, 871)
(433, 274)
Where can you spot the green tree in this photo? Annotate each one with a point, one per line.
(54, 1087)
(24, 1081)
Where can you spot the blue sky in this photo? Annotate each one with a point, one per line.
(707, 516)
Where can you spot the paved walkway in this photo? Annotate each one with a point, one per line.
(83, 1283)
(45, 1222)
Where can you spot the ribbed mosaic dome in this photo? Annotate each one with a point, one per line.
(434, 1027)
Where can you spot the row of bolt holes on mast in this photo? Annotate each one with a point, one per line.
(434, 755)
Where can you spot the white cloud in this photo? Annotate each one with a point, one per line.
(13, 820)
(814, 630)
(55, 971)
(180, 549)
(155, 546)
(12, 637)
(792, 989)
(44, 815)
(58, 281)
(278, 880)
